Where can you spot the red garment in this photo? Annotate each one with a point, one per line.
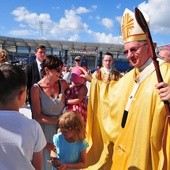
(81, 108)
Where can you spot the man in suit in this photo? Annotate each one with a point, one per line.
(33, 69)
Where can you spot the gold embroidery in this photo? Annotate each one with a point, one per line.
(131, 30)
(127, 26)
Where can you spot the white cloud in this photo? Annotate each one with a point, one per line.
(32, 19)
(118, 19)
(71, 23)
(22, 25)
(82, 10)
(97, 17)
(158, 10)
(19, 32)
(69, 27)
(90, 17)
(72, 26)
(74, 37)
(118, 6)
(105, 38)
(108, 23)
(94, 7)
(55, 7)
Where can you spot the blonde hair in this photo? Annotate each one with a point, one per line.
(72, 120)
(3, 56)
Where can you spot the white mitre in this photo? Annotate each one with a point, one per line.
(131, 31)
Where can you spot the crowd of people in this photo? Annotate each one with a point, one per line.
(124, 124)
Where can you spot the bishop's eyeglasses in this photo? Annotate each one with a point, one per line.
(133, 49)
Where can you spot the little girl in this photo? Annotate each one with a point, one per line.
(77, 93)
(70, 143)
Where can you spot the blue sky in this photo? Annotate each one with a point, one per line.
(79, 20)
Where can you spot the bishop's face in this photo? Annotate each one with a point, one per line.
(137, 53)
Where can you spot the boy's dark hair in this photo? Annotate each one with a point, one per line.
(13, 79)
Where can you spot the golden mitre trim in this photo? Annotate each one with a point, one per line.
(131, 30)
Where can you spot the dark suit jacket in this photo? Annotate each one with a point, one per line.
(32, 76)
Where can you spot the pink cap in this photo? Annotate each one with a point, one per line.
(75, 76)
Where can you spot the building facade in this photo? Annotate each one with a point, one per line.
(22, 51)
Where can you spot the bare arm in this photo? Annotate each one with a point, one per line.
(37, 160)
(86, 75)
(82, 93)
(54, 161)
(64, 84)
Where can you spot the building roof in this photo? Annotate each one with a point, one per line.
(11, 44)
